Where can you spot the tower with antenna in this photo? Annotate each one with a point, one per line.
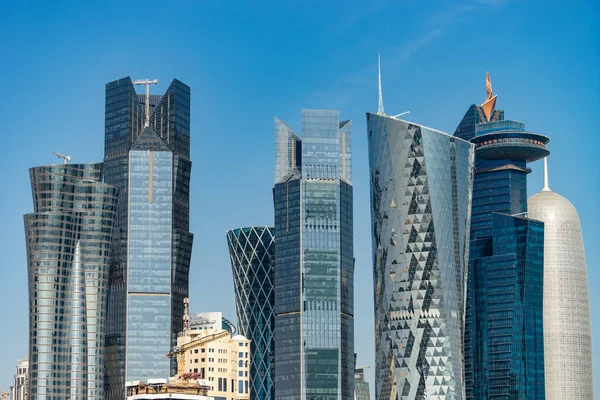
(567, 323)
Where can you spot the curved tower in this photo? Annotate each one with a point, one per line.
(567, 326)
(251, 251)
(68, 239)
(421, 182)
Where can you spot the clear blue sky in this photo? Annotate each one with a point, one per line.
(247, 62)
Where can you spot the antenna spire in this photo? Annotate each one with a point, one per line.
(380, 108)
(546, 188)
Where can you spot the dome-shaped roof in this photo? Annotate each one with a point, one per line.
(566, 317)
(239, 337)
(547, 204)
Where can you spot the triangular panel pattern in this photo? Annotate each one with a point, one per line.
(417, 282)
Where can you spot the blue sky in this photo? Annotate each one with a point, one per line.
(247, 62)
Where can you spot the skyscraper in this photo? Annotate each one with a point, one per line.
(421, 183)
(314, 274)
(147, 156)
(567, 326)
(504, 354)
(68, 239)
(252, 252)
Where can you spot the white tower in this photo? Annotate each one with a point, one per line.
(567, 326)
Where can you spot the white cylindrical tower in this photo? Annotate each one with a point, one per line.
(567, 326)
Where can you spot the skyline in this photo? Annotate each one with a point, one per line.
(55, 98)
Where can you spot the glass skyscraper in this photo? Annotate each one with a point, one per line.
(421, 182)
(252, 252)
(152, 249)
(68, 239)
(504, 348)
(314, 274)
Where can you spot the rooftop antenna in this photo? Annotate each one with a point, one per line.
(146, 82)
(65, 158)
(380, 107)
(546, 188)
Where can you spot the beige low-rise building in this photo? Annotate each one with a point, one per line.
(208, 349)
(159, 389)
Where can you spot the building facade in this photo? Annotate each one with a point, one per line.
(252, 252)
(208, 349)
(148, 158)
(421, 182)
(68, 239)
(19, 390)
(161, 389)
(361, 386)
(504, 352)
(567, 326)
(314, 277)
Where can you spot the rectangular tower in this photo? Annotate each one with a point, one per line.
(314, 277)
(152, 248)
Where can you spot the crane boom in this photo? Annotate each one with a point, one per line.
(65, 158)
(146, 82)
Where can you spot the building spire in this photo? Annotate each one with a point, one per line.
(380, 107)
(546, 188)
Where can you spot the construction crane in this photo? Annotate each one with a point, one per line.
(65, 158)
(146, 82)
(401, 114)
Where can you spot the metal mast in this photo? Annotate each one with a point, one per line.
(546, 187)
(380, 108)
(146, 82)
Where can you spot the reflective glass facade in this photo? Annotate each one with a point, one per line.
(421, 182)
(68, 239)
(504, 351)
(148, 335)
(252, 252)
(504, 341)
(314, 274)
(169, 133)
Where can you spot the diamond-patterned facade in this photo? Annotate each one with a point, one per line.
(420, 209)
(251, 251)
